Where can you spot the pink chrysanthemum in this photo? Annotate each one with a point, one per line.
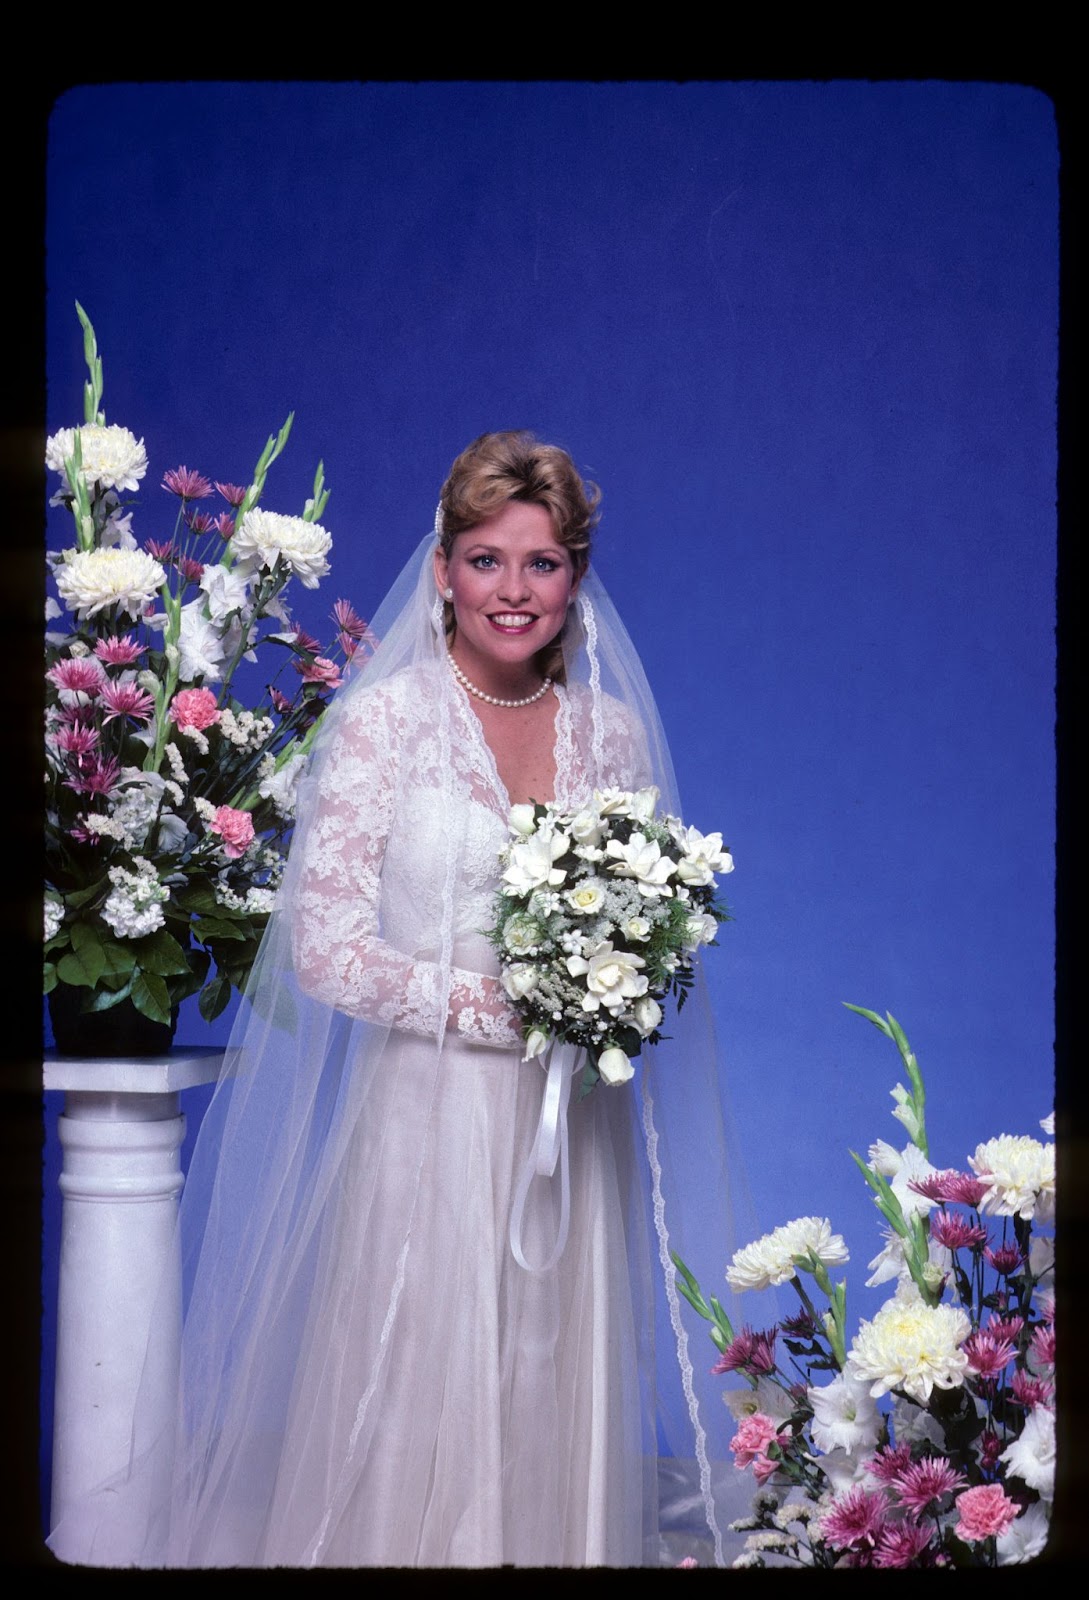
(887, 1463)
(988, 1356)
(320, 670)
(925, 1481)
(985, 1512)
(960, 1188)
(194, 708)
(754, 1434)
(224, 525)
(854, 1518)
(1029, 1391)
(100, 777)
(803, 1326)
(1006, 1259)
(231, 492)
(990, 1448)
(121, 651)
(191, 570)
(1042, 1346)
(187, 485)
(199, 522)
(954, 1232)
(304, 641)
(76, 740)
(280, 702)
(161, 549)
(689, 1561)
(127, 700)
(81, 676)
(749, 1352)
(348, 645)
(348, 619)
(1007, 1327)
(902, 1544)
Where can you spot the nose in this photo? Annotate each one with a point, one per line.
(514, 585)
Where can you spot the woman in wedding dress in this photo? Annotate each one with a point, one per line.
(369, 1375)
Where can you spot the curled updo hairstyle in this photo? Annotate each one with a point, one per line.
(500, 467)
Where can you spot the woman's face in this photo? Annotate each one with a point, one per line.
(513, 581)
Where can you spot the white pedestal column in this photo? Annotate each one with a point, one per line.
(121, 1134)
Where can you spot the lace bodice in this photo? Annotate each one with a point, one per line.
(400, 859)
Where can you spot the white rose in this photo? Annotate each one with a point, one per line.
(636, 928)
(586, 827)
(587, 898)
(648, 1014)
(612, 802)
(521, 979)
(521, 820)
(614, 1066)
(536, 1044)
(701, 929)
(644, 803)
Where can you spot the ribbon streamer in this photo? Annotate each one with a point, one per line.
(549, 1149)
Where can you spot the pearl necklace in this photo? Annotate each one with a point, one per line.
(492, 699)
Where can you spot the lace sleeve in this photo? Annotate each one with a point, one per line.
(340, 955)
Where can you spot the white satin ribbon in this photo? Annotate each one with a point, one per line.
(549, 1149)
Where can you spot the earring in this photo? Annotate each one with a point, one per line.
(448, 594)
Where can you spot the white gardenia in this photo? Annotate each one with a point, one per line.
(641, 858)
(112, 456)
(266, 537)
(521, 979)
(614, 1066)
(845, 1415)
(1032, 1457)
(521, 820)
(911, 1346)
(703, 856)
(770, 1260)
(529, 864)
(647, 1014)
(1020, 1174)
(612, 977)
(89, 581)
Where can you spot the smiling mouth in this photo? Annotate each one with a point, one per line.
(512, 621)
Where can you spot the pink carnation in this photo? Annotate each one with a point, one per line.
(985, 1512)
(754, 1434)
(194, 708)
(320, 670)
(235, 828)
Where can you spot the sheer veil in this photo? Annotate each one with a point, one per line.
(306, 1077)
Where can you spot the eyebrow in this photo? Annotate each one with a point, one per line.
(482, 548)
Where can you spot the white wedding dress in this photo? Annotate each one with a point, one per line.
(481, 1414)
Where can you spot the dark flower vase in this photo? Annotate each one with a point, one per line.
(120, 1031)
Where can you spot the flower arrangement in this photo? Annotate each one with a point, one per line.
(957, 1467)
(168, 802)
(597, 917)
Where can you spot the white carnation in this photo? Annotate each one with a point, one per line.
(89, 581)
(1020, 1175)
(266, 537)
(112, 456)
(54, 916)
(911, 1346)
(770, 1260)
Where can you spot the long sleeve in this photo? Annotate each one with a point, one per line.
(341, 956)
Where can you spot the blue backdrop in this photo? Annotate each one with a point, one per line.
(804, 337)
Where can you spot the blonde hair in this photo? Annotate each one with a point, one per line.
(500, 467)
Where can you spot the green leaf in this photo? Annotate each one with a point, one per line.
(160, 952)
(214, 997)
(49, 978)
(208, 928)
(82, 897)
(197, 897)
(150, 995)
(85, 963)
(871, 1016)
(118, 956)
(103, 999)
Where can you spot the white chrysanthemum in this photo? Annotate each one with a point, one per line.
(112, 456)
(266, 537)
(1020, 1175)
(1032, 1457)
(1026, 1536)
(770, 1260)
(89, 581)
(911, 1346)
(54, 916)
(845, 1415)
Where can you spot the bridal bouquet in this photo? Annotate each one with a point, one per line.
(169, 801)
(956, 1466)
(597, 918)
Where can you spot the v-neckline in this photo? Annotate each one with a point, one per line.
(492, 766)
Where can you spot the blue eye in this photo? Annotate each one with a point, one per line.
(547, 563)
(478, 560)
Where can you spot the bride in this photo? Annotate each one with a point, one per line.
(369, 1376)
